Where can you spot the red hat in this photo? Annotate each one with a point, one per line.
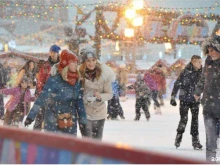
(66, 57)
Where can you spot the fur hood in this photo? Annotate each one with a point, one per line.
(107, 72)
(211, 41)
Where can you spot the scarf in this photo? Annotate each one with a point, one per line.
(68, 76)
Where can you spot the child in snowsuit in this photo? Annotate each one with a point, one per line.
(17, 105)
(143, 96)
(114, 106)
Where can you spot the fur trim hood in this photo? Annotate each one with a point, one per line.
(107, 72)
(211, 42)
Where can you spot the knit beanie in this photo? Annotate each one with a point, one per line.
(86, 53)
(55, 48)
(66, 57)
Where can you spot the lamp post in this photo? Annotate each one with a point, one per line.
(134, 21)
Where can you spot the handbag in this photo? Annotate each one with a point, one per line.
(64, 120)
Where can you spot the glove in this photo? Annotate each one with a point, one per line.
(28, 121)
(173, 101)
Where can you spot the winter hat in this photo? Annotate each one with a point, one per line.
(213, 42)
(86, 53)
(67, 57)
(55, 48)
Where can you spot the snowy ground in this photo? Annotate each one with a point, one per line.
(156, 135)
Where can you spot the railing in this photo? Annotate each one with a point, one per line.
(33, 147)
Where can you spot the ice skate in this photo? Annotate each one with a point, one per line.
(196, 143)
(137, 118)
(178, 140)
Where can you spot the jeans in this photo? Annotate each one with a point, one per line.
(94, 129)
(211, 137)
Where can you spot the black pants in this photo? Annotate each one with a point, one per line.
(184, 107)
(2, 110)
(93, 129)
(144, 104)
(114, 107)
(39, 119)
(155, 98)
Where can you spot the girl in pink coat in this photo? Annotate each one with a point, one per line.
(17, 105)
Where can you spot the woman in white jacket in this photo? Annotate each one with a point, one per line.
(96, 79)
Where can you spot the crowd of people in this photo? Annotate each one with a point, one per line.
(73, 90)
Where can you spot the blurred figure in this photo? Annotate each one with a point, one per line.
(123, 81)
(28, 71)
(114, 106)
(17, 106)
(160, 79)
(209, 85)
(152, 84)
(42, 76)
(186, 84)
(3, 81)
(143, 97)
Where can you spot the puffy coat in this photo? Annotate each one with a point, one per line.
(209, 85)
(186, 83)
(59, 97)
(151, 83)
(44, 74)
(97, 110)
(16, 94)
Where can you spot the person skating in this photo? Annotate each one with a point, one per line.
(42, 77)
(62, 98)
(209, 85)
(152, 84)
(143, 96)
(114, 107)
(185, 84)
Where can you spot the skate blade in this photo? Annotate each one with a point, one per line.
(198, 149)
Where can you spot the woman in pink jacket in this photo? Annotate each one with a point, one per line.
(17, 105)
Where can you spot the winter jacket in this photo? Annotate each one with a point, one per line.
(16, 93)
(44, 74)
(3, 78)
(151, 83)
(186, 83)
(209, 85)
(142, 90)
(115, 88)
(159, 78)
(58, 97)
(97, 110)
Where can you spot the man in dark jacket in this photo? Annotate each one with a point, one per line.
(43, 75)
(209, 85)
(186, 83)
(3, 81)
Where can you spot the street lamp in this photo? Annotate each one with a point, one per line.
(129, 32)
(138, 21)
(130, 13)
